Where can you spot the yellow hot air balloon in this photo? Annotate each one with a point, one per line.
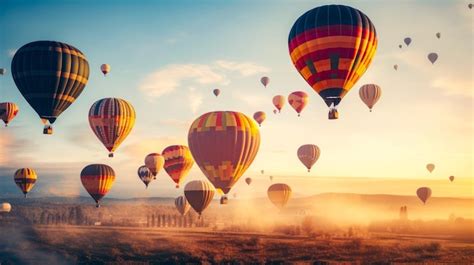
(111, 119)
(308, 155)
(279, 194)
(25, 179)
(105, 69)
(224, 144)
(8, 111)
(370, 94)
(298, 101)
(154, 162)
(259, 117)
(199, 194)
(182, 205)
(178, 162)
(97, 179)
(5, 207)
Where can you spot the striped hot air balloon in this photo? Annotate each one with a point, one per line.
(331, 47)
(178, 162)
(279, 194)
(182, 205)
(370, 94)
(259, 117)
(145, 175)
(308, 155)
(298, 101)
(111, 119)
(25, 179)
(8, 111)
(50, 75)
(97, 179)
(154, 162)
(278, 102)
(199, 194)
(224, 144)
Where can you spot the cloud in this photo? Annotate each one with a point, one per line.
(167, 79)
(143, 146)
(453, 86)
(195, 100)
(12, 148)
(11, 52)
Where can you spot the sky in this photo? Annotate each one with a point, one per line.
(168, 56)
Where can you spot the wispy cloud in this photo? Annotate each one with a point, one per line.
(195, 99)
(244, 68)
(454, 86)
(11, 52)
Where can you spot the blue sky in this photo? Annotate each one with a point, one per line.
(167, 57)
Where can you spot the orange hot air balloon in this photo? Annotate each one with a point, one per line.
(259, 117)
(430, 167)
(265, 80)
(105, 69)
(178, 161)
(298, 101)
(370, 94)
(111, 119)
(145, 175)
(331, 47)
(248, 181)
(451, 178)
(199, 194)
(154, 162)
(25, 179)
(279, 194)
(182, 205)
(8, 111)
(308, 155)
(224, 144)
(279, 102)
(423, 193)
(97, 179)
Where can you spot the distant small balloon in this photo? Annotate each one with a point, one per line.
(438, 35)
(470, 6)
(451, 178)
(400, 46)
(370, 94)
(5, 207)
(423, 193)
(279, 102)
(259, 117)
(8, 111)
(248, 181)
(3, 71)
(407, 41)
(271, 178)
(105, 68)
(265, 81)
(433, 57)
(430, 167)
(395, 67)
(298, 101)
(216, 92)
(262, 171)
(279, 194)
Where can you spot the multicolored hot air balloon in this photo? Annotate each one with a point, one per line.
(265, 81)
(298, 101)
(145, 175)
(178, 161)
(224, 144)
(199, 194)
(279, 102)
(423, 193)
(259, 117)
(248, 181)
(331, 47)
(216, 92)
(451, 178)
(279, 194)
(105, 69)
(97, 179)
(432, 57)
(308, 155)
(182, 205)
(370, 94)
(407, 41)
(430, 167)
(50, 75)
(154, 162)
(8, 111)
(25, 179)
(5, 207)
(111, 119)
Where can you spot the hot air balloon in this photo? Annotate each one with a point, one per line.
(400, 46)
(25, 179)
(97, 179)
(451, 178)
(279, 102)
(259, 117)
(331, 47)
(178, 160)
(395, 67)
(430, 167)
(432, 57)
(145, 175)
(424, 193)
(8, 111)
(248, 181)
(438, 35)
(298, 101)
(182, 205)
(265, 81)
(262, 171)
(470, 6)
(407, 41)
(279, 194)
(154, 162)
(3, 71)
(308, 155)
(105, 68)
(111, 119)
(5, 207)
(199, 194)
(224, 144)
(370, 94)
(50, 75)
(271, 178)
(216, 92)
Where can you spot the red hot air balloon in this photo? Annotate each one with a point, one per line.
(259, 117)
(298, 101)
(279, 102)
(331, 47)
(216, 92)
(423, 193)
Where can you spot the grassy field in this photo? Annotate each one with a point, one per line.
(102, 245)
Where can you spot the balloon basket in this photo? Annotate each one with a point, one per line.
(48, 130)
(333, 114)
(111, 154)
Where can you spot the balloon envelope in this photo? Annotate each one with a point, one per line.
(279, 194)
(308, 154)
(3, 71)
(154, 162)
(423, 193)
(105, 69)
(8, 111)
(265, 81)
(25, 179)
(430, 167)
(5, 207)
(259, 117)
(370, 94)
(178, 161)
(432, 57)
(97, 179)
(278, 102)
(216, 92)
(451, 178)
(145, 175)
(248, 181)
(182, 205)
(298, 101)
(407, 41)
(199, 194)
(395, 67)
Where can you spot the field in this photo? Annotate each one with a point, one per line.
(102, 245)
